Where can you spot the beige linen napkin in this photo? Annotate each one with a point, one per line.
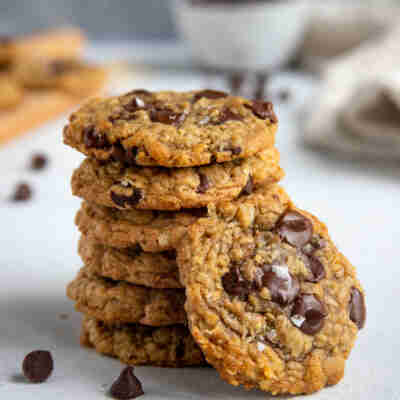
(357, 109)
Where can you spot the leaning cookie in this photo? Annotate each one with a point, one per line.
(172, 129)
(69, 75)
(153, 231)
(114, 185)
(270, 301)
(133, 344)
(121, 302)
(132, 265)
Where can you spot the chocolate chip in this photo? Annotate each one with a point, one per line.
(248, 189)
(316, 268)
(125, 156)
(166, 116)
(134, 251)
(123, 200)
(235, 284)
(283, 286)
(38, 161)
(134, 105)
(127, 386)
(170, 254)
(180, 349)
(295, 229)
(209, 94)
(204, 183)
(38, 366)
(227, 115)
(263, 110)
(213, 159)
(94, 139)
(357, 308)
(23, 192)
(308, 314)
(236, 81)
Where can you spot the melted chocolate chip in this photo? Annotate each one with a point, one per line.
(134, 105)
(235, 284)
(308, 314)
(134, 251)
(125, 156)
(170, 254)
(127, 386)
(295, 229)
(204, 183)
(316, 268)
(180, 349)
(209, 94)
(38, 366)
(132, 200)
(23, 192)
(227, 115)
(248, 189)
(263, 110)
(282, 285)
(357, 308)
(94, 139)
(38, 161)
(166, 116)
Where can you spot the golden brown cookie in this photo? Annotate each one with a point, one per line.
(270, 300)
(153, 231)
(172, 129)
(72, 76)
(11, 94)
(121, 302)
(168, 346)
(114, 185)
(132, 265)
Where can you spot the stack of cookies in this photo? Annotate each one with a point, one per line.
(193, 253)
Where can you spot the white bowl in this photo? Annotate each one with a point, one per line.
(245, 37)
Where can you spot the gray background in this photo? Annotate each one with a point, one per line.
(102, 19)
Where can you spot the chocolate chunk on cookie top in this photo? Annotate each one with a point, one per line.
(172, 129)
(270, 300)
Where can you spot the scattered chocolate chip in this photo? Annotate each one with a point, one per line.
(38, 366)
(127, 386)
(123, 200)
(357, 308)
(94, 139)
(235, 284)
(170, 254)
(263, 110)
(308, 314)
(166, 116)
(282, 285)
(316, 268)
(23, 192)
(248, 189)
(204, 184)
(209, 94)
(295, 229)
(227, 115)
(261, 81)
(38, 161)
(236, 81)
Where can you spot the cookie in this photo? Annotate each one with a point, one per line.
(11, 94)
(114, 185)
(169, 346)
(72, 76)
(132, 265)
(172, 129)
(153, 231)
(117, 302)
(7, 50)
(270, 300)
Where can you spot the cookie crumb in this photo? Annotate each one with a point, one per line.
(127, 386)
(23, 192)
(38, 366)
(38, 161)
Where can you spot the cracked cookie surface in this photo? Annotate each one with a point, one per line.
(114, 185)
(270, 300)
(172, 129)
(133, 344)
(132, 265)
(118, 302)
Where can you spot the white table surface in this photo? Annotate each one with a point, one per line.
(38, 256)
